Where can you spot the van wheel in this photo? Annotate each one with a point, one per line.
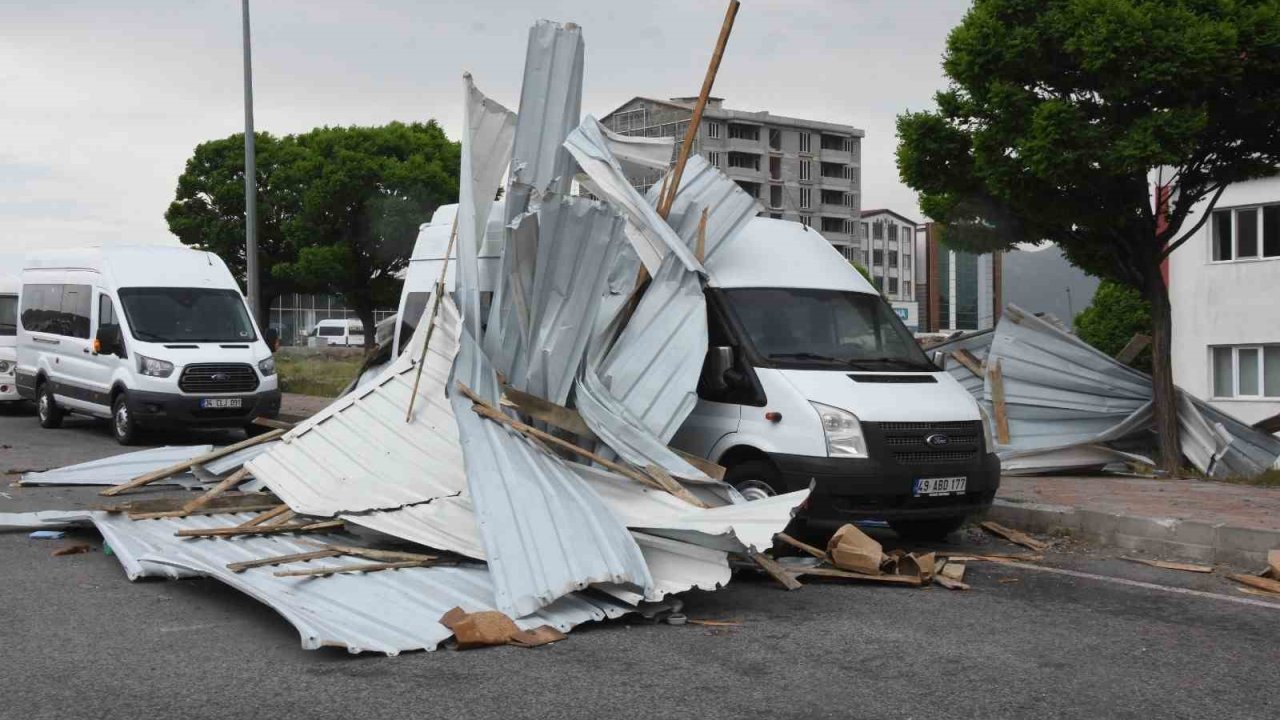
(47, 408)
(122, 424)
(755, 479)
(936, 529)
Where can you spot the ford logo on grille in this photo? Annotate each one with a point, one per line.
(937, 440)
(220, 377)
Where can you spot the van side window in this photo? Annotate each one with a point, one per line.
(57, 309)
(744, 388)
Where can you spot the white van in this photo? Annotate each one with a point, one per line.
(811, 377)
(340, 332)
(10, 269)
(144, 336)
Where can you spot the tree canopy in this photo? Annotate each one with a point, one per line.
(1116, 314)
(338, 208)
(1061, 113)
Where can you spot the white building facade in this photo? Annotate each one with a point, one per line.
(889, 254)
(1224, 284)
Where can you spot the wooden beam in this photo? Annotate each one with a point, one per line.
(1014, 536)
(1133, 348)
(691, 132)
(243, 565)
(827, 572)
(227, 483)
(1269, 425)
(285, 517)
(820, 554)
(271, 514)
(275, 423)
(484, 409)
(431, 320)
(262, 530)
(1271, 586)
(996, 375)
(673, 486)
(966, 358)
(363, 568)
(1185, 567)
(700, 249)
(213, 508)
(776, 571)
(185, 465)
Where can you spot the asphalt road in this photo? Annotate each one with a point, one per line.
(79, 640)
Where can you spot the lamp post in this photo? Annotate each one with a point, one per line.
(250, 176)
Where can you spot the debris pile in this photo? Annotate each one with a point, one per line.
(1055, 404)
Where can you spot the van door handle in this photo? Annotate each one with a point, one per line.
(84, 350)
(46, 341)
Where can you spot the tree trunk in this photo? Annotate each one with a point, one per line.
(370, 326)
(1166, 402)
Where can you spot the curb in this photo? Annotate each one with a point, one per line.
(1215, 543)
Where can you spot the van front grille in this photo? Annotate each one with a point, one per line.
(204, 378)
(909, 442)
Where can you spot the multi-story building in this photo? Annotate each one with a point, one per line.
(964, 289)
(1226, 321)
(889, 254)
(801, 170)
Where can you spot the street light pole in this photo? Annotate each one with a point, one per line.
(250, 176)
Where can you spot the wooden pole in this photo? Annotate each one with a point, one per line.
(996, 374)
(431, 321)
(187, 464)
(691, 132)
(700, 249)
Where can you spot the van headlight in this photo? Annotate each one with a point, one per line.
(986, 429)
(843, 432)
(154, 367)
(267, 367)
(6, 367)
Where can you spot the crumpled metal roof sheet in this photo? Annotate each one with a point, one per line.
(228, 463)
(121, 468)
(1237, 450)
(447, 523)
(729, 208)
(359, 454)
(977, 344)
(550, 106)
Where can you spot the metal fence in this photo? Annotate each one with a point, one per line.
(294, 315)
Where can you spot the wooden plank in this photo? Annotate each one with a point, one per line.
(950, 583)
(691, 132)
(996, 375)
(967, 359)
(1273, 565)
(711, 469)
(776, 571)
(271, 514)
(829, 572)
(820, 554)
(227, 483)
(262, 530)
(1015, 536)
(186, 464)
(484, 409)
(1261, 583)
(431, 319)
(1269, 425)
(673, 486)
(1131, 349)
(253, 502)
(700, 247)
(1185, 567)
(363, 568)
(243, 565)
(383, 555)
(274, 423)
(284, 518)
(996, 557)
(953, 570)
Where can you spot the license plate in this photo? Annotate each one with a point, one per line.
(213, 403)
(940, 486)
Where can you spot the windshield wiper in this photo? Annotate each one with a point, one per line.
(806, 356)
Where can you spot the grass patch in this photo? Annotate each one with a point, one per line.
(1269, 478)
(322, 375)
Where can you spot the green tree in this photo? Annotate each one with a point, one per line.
(1060, 113)
(1117, 313)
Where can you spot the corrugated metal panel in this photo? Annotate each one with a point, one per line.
(677, 567)
(228, 463)
(545, 532)
(729, 208)
(977, 344)
(447, 523)
(550, 106)
(359, 454)
(121, 468)
(42, 519)
(388, 611)
(577, 239)
(649, 234)
(1241, 451)
(508, 329)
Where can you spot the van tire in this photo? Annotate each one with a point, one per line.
(935, 529)
(755, 479)
(47, 409)
(123, 427)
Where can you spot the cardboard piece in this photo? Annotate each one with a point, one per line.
(538, 636)
(1273, 565)
(481, 629)
(851, 549)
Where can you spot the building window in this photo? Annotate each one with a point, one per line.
(893, 258)
(906, 288)
(1246, 233)
(749, 161)
(806, 142)
(877, 230)
(893, 232)
(877, 258)
(847, 145)
(906, 262)
(713, 130)
(751, 188)
(744, 132)
(1246, 371)
(893, 286)
(775, 196)
(866, 231)
(775, 216)
(806, 170)
(775, 139)
(835, 142)
(713, 157)
(806, 198)
(806, 220)
(834, 225)
(775, 168)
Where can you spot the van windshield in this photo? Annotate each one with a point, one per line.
(8, 315)
(186, 315)
(825, 329)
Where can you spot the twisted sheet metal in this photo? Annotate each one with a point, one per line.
(122, 468)
(359, 454)
(729, 208)
(550, 106)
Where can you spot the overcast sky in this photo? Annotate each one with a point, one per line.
(102, 101)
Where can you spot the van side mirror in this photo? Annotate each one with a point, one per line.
(272, 337)
(719, 364)
(109, 340)
(939, 358)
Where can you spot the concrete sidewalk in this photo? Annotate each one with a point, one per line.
(1187, 519)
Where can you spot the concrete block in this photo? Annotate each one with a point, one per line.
(1147, 527)
(1035, 517)
(1195, 532)
(1097, 525)
(1248, 539)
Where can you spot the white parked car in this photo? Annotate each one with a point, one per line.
(9, 284)
(144, 336)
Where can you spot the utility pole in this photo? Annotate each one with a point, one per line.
(250, 177)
